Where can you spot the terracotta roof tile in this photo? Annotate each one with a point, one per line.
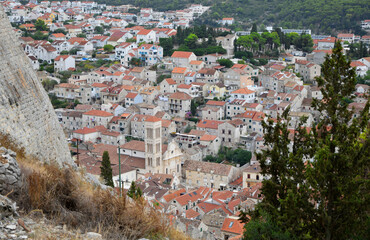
(180, 95)
(216, 103)
(243, 91)
(180, 54)
(98, 113)
(190, 214)
(232, 225)
(134, 145)
(213, 124)
(179, 70)
(85, 130)
(208, 138)
(207, 167)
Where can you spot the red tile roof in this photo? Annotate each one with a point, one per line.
(216, 103)
(171, 196)
(232, 225)
(213, 124)
(99, 85)
(179, 70)
(190, 214)
(98, 113)
(243, 91)
(131, 95)
(195, 62)
(64, 57)
(357, 64)
(144, 32)
(345, 35)
(208, 138)
(192, 196)
(180, 95)
(180, 54)
(185, 86)
(85, 130)
(58, 35)
(67, 85)
(152, 119)
(134, 145)
(170, 81)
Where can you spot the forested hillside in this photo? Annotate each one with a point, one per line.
(322, 16)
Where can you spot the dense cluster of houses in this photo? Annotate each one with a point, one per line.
(160, 131)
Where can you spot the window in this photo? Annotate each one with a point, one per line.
(258, 177)
(249, 176)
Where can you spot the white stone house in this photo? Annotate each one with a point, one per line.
(64, 62)
(146, 35)
(243, 94)
(96, 118)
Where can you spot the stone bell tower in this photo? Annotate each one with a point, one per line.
(153, 144)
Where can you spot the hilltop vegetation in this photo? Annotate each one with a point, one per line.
(319, 15)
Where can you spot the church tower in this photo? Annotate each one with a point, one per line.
(153, 144)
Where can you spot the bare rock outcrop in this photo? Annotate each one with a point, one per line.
(27, 117)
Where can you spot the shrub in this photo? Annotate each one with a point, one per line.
(65, 197)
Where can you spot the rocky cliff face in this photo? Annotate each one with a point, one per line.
(26, 114)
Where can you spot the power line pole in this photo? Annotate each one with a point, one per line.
(119, 169)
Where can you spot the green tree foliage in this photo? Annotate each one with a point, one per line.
(188, 40)
(60, 104)
(59, 30)
(365, 79)
(99, 30)
(337, 175)
(108, 48)
(358, 50)
(263, 228)
(193, 107)
(135, 62)
(49, 84)
(81, 35)
(320, 15)
(49, 68)
(188, 129)
(319, 175)
(106, 170)
(191, 41)
(131, 40)
(64, 76)
(134, 191)
(73, 51)
(162, 77)
(225, 62)
(167, 45)
(40, 25)
(254, 28)
(236, 156)
(38, 35)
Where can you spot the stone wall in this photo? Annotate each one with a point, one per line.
(10, 174)
(26, 114)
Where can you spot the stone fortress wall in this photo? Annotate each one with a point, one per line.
(26, 114)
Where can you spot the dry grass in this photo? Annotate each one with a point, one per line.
(66, 198)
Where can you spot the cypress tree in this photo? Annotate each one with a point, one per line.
(134, 191)
(318, 186)
(106, 170)
(254, 28)
(338, 173)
